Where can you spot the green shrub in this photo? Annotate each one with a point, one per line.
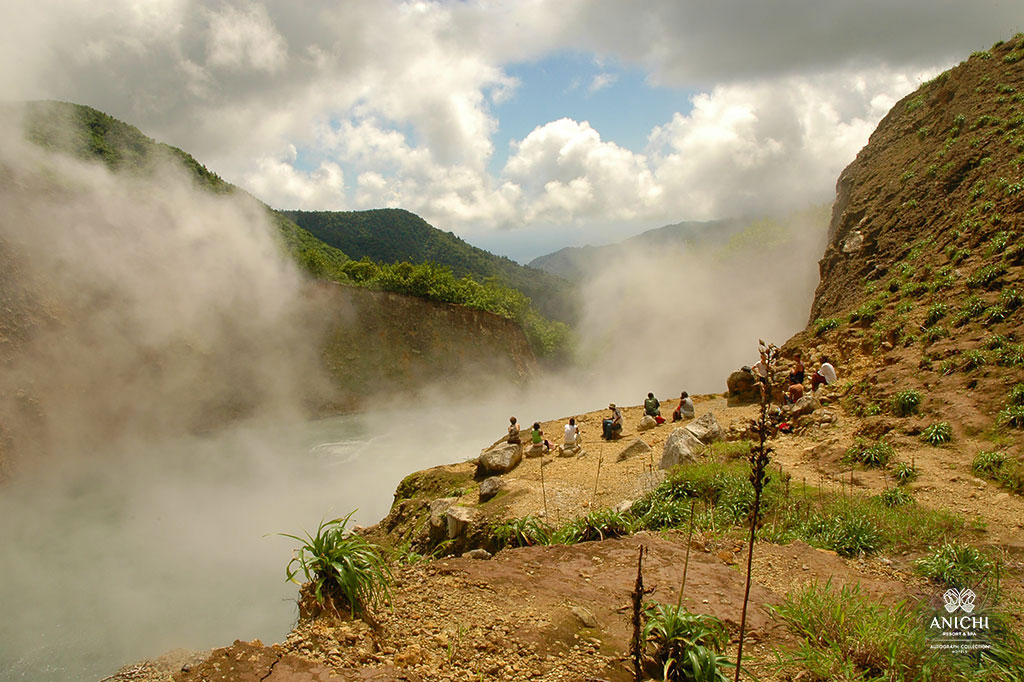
(937, 433)
(904, 473)
(1012, 415)
(994, 314)
(986, 276)
(905, 403)
(997, 341)
(687, 645)
(597, 525)
(1011, 355)
(824, 325)
(933, 334)
(1016, 395)
(525, 531)
(987, 464)
(344, 569)
(955, 564)
(845, 634)
(868, 311)
(936, 312)
(874, 455)
(895, 497)
(1011, 299)
(973, 359)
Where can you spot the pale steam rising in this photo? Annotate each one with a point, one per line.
(677, 318)
(141, 311)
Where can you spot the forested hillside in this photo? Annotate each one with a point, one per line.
(391, 235)
(443, 268)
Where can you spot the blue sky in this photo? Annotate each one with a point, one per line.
(617, 100)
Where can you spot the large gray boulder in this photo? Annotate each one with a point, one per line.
(499, 459)
(743, 388)
(647, 423)
(438, 517)
(706, 428)
(805, 405)
(637, 447)
(686, 442)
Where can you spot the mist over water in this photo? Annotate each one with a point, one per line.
(134, 521)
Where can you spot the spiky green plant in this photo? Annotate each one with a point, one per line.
(525, 531)
(904, 473)
(895, 497)
(906, 403)
(955, 564)
(343, 569)
(938, 433)
(687, 645)
(936, 312)
(876, 455)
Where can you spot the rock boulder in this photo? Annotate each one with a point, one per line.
(637, 447)
(647, 423)
(499, 459)
(686, 442)
(743, 389)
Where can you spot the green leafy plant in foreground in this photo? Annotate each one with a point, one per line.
(343, 569)
(845, 634)
(895, 497)
(686, 645)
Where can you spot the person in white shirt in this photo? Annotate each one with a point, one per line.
(826, 374)
(572, 433)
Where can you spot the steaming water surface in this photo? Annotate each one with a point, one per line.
(112, 558)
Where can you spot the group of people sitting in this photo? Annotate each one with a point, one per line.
(826, 374)
(611, 427)
(570, 440)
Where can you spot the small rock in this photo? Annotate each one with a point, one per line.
(478, 553)
(585, 615)
(490, 487)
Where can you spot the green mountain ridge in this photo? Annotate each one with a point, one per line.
(391, 235)
(488, 282)
(90, 134)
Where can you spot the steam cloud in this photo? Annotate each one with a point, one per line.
(672, 318)
(140, 309)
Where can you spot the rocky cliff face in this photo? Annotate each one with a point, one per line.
(385, 343)
(943, 167)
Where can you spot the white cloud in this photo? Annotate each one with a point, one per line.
(602, 81)
(278, 182)
(402, 95)
(245, 39)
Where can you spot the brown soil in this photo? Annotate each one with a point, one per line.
(562, 613)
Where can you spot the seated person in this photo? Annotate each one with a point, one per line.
(652, 408)
(797, 375)
(571, 440)
(826, 374)
(513, 432)
(538, 437)
(612, 427)
(795, 392)
(685, 408)
(572, 434)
